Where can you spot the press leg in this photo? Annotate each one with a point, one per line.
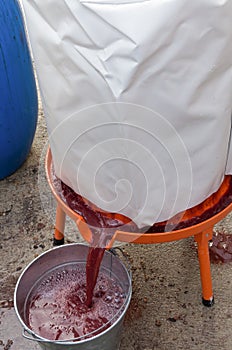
(202, 240)
(59, 228)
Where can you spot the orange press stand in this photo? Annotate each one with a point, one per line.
(202, 232)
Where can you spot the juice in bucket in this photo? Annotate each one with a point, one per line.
(56, 308)
(50, 300)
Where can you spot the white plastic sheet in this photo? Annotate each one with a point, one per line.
(138, 99)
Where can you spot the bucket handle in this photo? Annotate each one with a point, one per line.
(27, 335)
(117, 251)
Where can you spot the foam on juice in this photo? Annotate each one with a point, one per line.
(57, 309)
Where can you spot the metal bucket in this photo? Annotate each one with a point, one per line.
(109, 339)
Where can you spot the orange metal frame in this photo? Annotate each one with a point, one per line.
(202, 233)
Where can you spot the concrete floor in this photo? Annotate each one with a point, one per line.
(165, 312)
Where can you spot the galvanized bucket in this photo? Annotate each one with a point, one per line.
(109, 339)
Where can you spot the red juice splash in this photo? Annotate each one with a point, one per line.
(220, 248)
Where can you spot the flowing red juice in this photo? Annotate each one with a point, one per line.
(57, 310)
(94, 259)
(72, 303)
(102, 227)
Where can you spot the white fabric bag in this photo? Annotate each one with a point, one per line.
(138, 99)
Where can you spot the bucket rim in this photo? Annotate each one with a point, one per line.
(118, 316)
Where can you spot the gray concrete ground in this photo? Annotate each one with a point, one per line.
(165, 312)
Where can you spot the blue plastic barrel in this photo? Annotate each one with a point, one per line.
(18, 95)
